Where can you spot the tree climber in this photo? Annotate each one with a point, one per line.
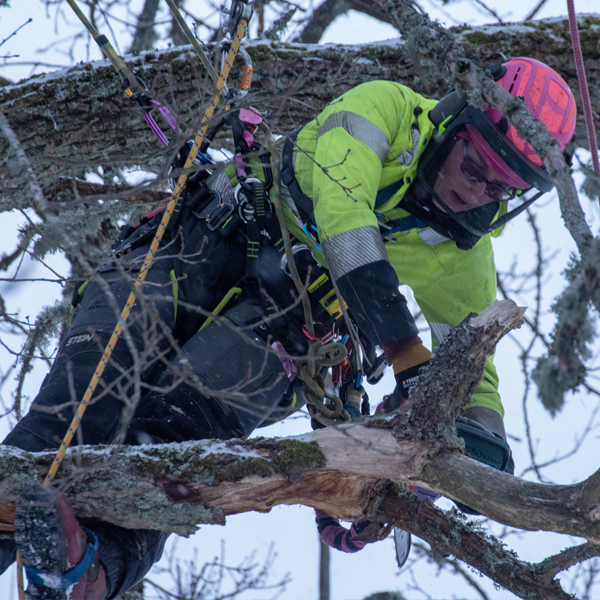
(383, 187)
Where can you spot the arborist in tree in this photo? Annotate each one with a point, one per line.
(383, 187)
(398, 188)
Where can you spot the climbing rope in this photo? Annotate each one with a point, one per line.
(192, 39)
(583, 86)
(172, 207)
(319, 355)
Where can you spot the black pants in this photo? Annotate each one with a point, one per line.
(150, 392)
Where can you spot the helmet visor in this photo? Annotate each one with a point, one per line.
(476, 176)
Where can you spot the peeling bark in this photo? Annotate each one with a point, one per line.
(341, 470)
(352, 472)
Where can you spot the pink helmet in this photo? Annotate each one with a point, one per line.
(547, 96)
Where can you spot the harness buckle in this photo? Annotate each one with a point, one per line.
(220, 216)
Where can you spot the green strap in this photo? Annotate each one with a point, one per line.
(231, 294)
(175, 288)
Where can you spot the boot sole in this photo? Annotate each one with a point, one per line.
(40, 538)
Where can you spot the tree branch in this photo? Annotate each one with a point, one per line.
(450, 534)
(81, 112)
(437, 401)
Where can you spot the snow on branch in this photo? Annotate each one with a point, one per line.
(352, 472)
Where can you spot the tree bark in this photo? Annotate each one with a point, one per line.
(79, 117)
(351, 472)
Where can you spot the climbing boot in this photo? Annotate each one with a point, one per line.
(60, 557)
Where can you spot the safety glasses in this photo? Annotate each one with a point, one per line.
(473, 172)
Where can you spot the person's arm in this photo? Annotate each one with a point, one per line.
(337, 536)
(356, 134)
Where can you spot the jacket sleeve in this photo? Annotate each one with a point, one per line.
(355, 136)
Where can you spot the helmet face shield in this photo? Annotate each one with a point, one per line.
(492, 202)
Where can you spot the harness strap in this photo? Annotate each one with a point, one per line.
(387, 192)
(399, 225)
(288, 177)
(257, 198)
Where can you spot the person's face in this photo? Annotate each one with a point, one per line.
(468, 187)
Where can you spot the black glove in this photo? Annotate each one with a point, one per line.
(405, 382)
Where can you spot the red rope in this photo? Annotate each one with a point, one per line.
(583, 86)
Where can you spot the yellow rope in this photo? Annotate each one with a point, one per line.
(172, 207)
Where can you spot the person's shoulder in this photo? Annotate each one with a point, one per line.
(383, 86)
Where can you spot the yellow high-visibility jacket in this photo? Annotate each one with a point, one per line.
(365, 140)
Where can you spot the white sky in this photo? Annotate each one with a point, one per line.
(292, 529)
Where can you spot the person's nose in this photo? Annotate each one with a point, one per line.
(476, 192)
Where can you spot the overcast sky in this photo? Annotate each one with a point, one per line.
(292, 529)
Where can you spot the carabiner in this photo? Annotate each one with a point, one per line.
(233, 94)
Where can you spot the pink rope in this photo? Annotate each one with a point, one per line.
(583, 86)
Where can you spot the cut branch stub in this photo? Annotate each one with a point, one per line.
(447, 383)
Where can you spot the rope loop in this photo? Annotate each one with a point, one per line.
(313, 385)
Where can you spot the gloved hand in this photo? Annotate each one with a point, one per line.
(407, 364)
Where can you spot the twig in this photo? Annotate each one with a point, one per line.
(15, 32)
(552, 565)
(535, 10)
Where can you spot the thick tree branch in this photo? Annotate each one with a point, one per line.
(327, 12)
(437, 401)
(81, 114)
(68, 190)
(450, 535)
(339, 471)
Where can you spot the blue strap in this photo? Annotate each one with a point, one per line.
(403, 224)
(311, 236)
(62, 582)
(387, 192)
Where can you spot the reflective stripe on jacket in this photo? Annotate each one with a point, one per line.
(365, 140)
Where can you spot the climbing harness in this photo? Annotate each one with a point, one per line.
(239, 27)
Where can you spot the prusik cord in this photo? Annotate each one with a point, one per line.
(107, 49)
(172, 207)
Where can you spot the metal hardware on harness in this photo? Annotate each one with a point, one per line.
(240, 9)
(233, 94)
(216, 211)
(323, 355)
(245, 207)
(375, 372)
